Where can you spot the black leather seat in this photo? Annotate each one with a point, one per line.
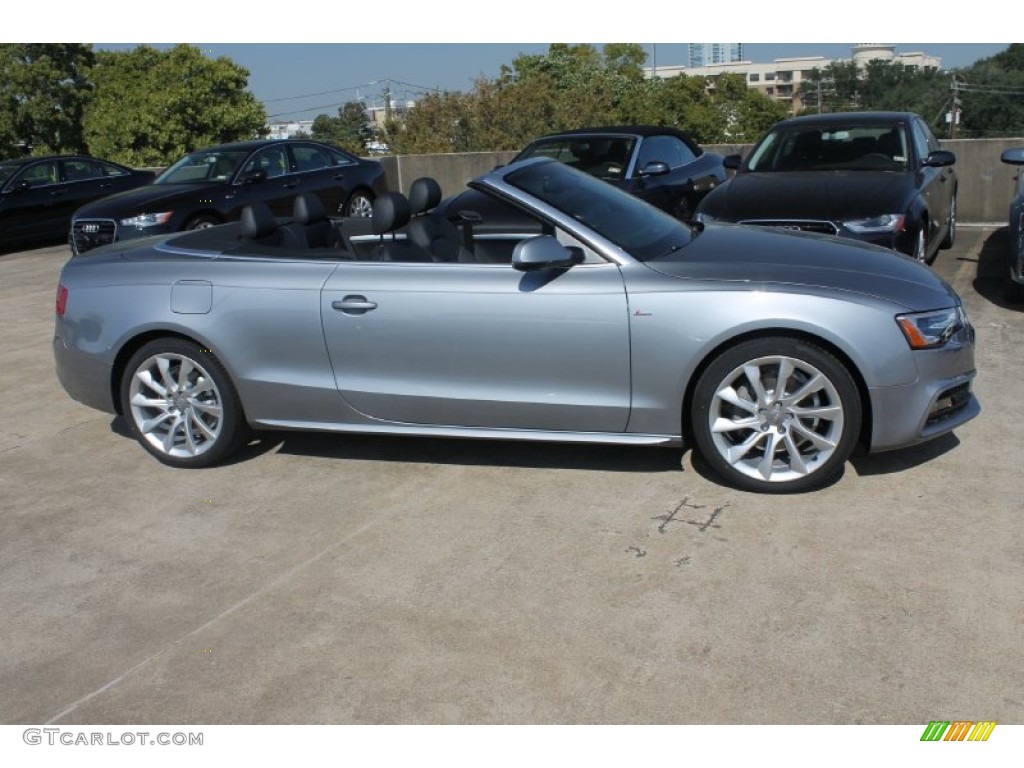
(391, 212)
(431, 231)
(311, 227)
(259, 226)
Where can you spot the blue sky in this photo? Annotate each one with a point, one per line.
(343, 51)
(325, 75)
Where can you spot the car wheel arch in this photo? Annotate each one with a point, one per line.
(204, 214)
(134, 344)
(836, 351)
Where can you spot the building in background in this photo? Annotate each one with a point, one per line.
(705, 54)
(290, 129)
(780, 79)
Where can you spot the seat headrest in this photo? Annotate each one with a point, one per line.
(257, 221)
(390, 212)
(308, 208)
(424, 194)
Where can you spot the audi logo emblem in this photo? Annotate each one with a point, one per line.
(90, 229)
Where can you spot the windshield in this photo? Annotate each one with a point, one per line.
(203, 167)
(640, 229)
(604, 157)
(834, 147)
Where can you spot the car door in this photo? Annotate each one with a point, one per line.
(35, 203)
(323, 171)
(85, 181)
(935, 185)
(481, 345)
(268, 177)
(665, 191)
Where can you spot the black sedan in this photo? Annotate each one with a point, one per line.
(211, 186)
(874, 176)
(38, 195)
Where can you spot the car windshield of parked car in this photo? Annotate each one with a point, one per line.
(639, 228)
(834, 147)
(203, 167)
(604, 157)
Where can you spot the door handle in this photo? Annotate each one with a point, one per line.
(354, 305)
(340, 177)
(291, 185)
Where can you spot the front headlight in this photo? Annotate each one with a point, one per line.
(146, 219)
(925, 330)
(702, 218)
(886, 222)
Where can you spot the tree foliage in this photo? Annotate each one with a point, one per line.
(349, 130)
(43, 92)
(150, 106)
(574, 86)
(992, 95)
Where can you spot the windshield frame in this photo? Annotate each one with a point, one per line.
(584, 203)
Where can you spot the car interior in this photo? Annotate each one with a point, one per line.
(402, 229)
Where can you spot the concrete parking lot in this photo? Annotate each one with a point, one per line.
(322, 579)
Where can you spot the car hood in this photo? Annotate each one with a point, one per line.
(832, 195)
(767, 257)
(148, 199)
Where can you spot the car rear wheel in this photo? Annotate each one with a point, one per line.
(203, 221)
(776, 415)
(181, 405)
(950, 238)
(359, 205)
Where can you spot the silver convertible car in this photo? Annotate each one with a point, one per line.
(597, 319)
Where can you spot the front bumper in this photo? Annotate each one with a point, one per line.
(939, 401)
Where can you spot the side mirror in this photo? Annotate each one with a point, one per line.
(939, 159)
(253, 177)
(732, 162)
(1013, 156)
(544, 252)
(654, 168)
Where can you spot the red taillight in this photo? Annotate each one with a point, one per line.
(62, 300)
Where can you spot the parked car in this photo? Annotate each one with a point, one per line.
(1015, 286)
(38, 195)
(661, 165)
(880, 177)
(618, 324)
(211, 186)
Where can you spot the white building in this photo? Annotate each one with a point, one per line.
(704, 54)
(780, 79)
(290, 129)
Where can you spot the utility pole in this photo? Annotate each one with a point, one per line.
(387, 102)
(954, 110)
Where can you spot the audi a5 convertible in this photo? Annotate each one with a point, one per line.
(601, 320)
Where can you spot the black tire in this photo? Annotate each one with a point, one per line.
(359, 204)
(810, 437)
(950, 238)
(1014, 292)
(201, 221)
(178, 381)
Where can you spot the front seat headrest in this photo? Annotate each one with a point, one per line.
(390, 212)
(257, 221)
(308, 208)
(424, 194)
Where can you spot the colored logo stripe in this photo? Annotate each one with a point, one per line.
(958, 730)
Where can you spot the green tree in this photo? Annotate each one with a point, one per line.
(349, 130)
(150, 106)
(43, 92)
(992, 94)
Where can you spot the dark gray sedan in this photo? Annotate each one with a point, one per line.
(608, 321)
(1015, 286)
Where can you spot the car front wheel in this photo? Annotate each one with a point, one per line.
(776, 415)
(180, 404)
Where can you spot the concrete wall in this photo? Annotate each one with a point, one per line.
(984, 192)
